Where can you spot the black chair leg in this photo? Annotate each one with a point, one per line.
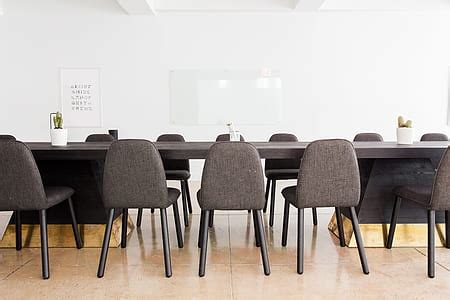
(44, 244)
(314, 214)
(123, 240)
(359, 241)
(263, 243)
(340, 226)
(272, 203)
(105, 246)
(139, 217)
(18, 231)
(76, 232)
(431, 242)
(255, 226)
(300, 239)
(267, 195)
(395, 211)
(200, 229)
(447, 228)
(166, 246)
(285, 223)
(211, 219)
(188, 195)
(185, 205)
(176, 216)
(204, 246)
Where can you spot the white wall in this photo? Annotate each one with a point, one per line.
(342, 72)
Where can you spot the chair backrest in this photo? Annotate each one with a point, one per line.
(368, 137)
(429, 137)
(134, 176)
(232, 178)
(174, 164)
(21, 185)
(275, 164)
(7, 137)
(328, 175)
(440, 198)
(226, 138)
(100, 137)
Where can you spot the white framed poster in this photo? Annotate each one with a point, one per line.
(80, 98)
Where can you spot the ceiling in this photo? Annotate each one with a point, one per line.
(155, 7)
(173, 6)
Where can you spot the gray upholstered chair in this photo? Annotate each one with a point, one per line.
(134, 178)
(365, 165)
(7, 137)
(328, 177)
(10, 138)
(97, 166)
(368, 137)
(179, 170)
(435, 197)
(99, 137)
(222, 138)
(226, 138)
(429, 137)
(21, 189)
(232, 180)
(281, 169)
(434, 137)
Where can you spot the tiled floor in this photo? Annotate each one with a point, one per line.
(233, 267)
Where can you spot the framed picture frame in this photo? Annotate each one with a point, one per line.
(81, 103)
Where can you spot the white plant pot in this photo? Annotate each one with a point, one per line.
(405, 136)
(58, 137)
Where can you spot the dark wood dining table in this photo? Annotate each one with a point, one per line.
(383, 165)
(199, 150)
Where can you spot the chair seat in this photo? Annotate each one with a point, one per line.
(282, 174)
(173, 195)
(223, 207)
(57, 194)
(290, 194)
(177, 174)
(420, 194)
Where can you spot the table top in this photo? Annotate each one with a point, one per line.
(199, 150)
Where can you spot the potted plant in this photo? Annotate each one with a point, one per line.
(58, 134)
(405, 132)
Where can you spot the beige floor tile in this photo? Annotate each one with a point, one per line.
(327, 281)
(147, 242)
(120, 282)
(11, 257)
(442, 256)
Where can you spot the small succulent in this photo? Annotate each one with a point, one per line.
(58, 120)
(404, 124)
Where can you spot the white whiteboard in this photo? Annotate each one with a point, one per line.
(209, 97)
